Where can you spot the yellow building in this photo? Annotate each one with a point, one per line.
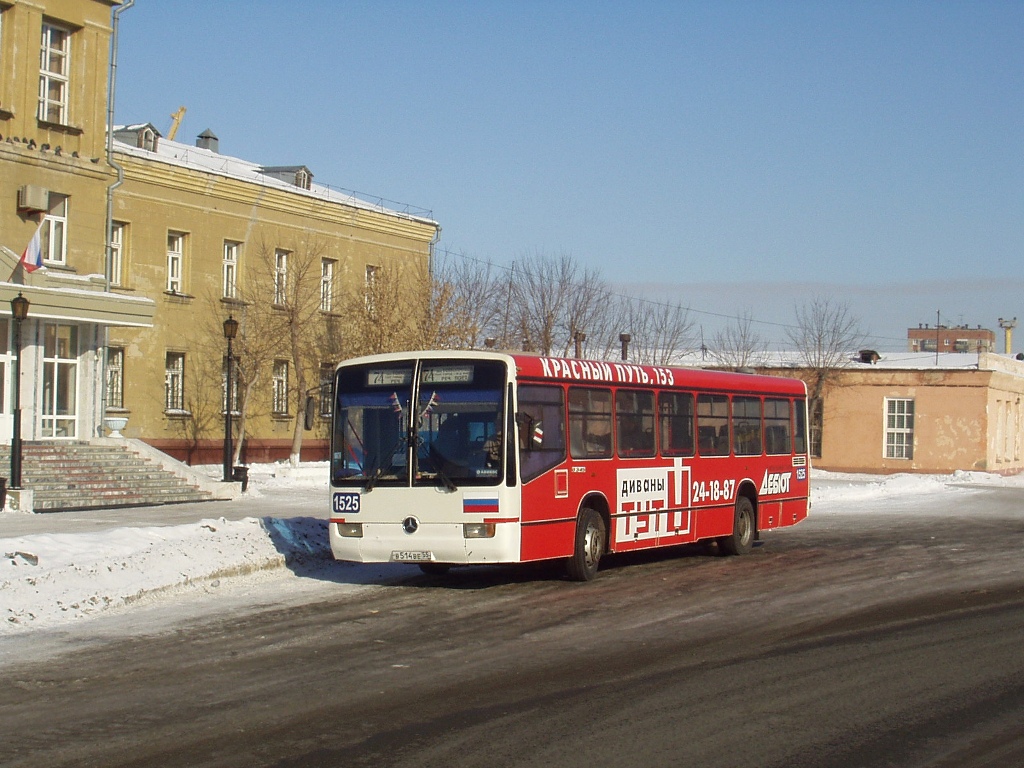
(192, 231)
(208, 236)
(53, 183)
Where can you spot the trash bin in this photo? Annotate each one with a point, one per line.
(241, 475)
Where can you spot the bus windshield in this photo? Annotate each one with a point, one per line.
(451, 410)
(371, 429)
(459, 438)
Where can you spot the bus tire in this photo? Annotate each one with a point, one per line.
(591, 538)
(741, 541)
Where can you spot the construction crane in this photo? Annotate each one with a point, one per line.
(176, 118)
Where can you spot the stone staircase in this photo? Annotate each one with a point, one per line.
(97, 475)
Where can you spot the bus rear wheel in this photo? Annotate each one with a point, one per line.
(742, 539)
(591, 537)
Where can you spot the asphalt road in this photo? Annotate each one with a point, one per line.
(887, 638)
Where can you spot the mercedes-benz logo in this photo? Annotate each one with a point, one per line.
(410, 525)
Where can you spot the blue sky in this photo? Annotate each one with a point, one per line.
(873, 151)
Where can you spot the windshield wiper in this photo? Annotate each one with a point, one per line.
(446, 481)
(372, 479)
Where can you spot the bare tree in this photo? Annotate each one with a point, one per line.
(658, 331)
(825, 336)
(476, 297)
(738, 345)
(551, 302)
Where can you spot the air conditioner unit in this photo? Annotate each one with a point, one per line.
(33, 198)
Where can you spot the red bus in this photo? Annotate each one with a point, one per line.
(458, 458)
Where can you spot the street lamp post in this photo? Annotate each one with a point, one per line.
(230, 331)
(19, 311)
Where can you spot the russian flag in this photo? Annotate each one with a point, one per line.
(482, 506)
(32, 256)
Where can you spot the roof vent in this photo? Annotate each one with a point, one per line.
(208, 140)
(298, 175)
(869, 356)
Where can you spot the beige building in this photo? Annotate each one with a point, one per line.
(189, 228)
(207, 236)
(909, 413)
(54, 182)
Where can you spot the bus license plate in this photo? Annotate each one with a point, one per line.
(405, 556)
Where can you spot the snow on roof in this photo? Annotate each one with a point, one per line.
(208, 161)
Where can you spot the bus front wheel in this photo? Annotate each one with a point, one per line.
(591, 536)
(742, 539)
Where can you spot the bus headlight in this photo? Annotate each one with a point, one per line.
(478, 530)
(350, 530)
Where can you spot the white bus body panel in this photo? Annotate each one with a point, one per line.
(438, 536)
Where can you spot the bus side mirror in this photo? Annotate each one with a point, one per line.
(309, 417)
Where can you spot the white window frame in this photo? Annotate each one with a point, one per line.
(898, 428)
(234, 386)
(279, 405)
(174, 382)
(54, 66)
(117, 239)
(59, 417)
(280, 277)
(175, 261)
(230, 271)
(113, 394)
(54, 234)
(326, 284)
(371, 284)
(326, 380)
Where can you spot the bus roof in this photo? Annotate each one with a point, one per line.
(629, 374)
(562, 369)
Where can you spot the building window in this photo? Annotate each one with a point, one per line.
(280, 277)
(326, 285)
(54, 54)
(114, 396)
(234, 385)
(326, 380)
(175, 259)
(117, 241)
(53, 237)
(899, 428)
(174, 382)
(280, 396)
(231, 269)
(371, 285)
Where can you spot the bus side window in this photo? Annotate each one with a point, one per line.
(590, 423)
(746, 426)
(713, 424)
(777, 437)
(540, 420)
(634, 419)
(675, 411)
(800, 428)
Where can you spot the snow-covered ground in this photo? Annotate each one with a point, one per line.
(270, 543)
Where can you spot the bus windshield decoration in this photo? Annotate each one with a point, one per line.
(502, 458)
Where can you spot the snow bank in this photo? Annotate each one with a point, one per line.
(50, 579)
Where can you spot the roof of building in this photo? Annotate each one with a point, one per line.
(208, 161)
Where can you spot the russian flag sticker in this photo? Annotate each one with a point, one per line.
(480, 506)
